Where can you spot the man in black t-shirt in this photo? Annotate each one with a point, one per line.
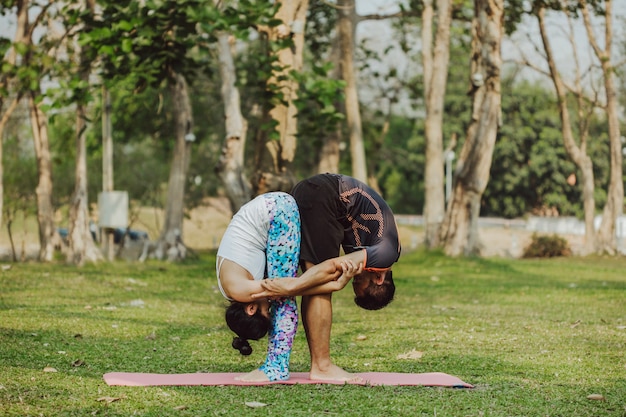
(338, 212)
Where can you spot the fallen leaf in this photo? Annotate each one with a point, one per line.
(78, 362)
(412, 354)
(575, 324)
(49, 369)
(361, 337)
(597, 397)
(109, 400)
(180, 407)
(254, 404)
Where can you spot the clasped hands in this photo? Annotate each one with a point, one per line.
(276, 288)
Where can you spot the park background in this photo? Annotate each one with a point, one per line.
(535, 336)
(134, 143)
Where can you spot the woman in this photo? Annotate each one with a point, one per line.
(263, 240)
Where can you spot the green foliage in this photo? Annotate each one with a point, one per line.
(542, 246)
(530, 165)
(535, 337)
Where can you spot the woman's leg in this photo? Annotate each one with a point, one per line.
(283, 253)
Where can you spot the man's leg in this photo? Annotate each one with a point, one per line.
(317, 317)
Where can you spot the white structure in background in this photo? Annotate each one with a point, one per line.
(113, 210)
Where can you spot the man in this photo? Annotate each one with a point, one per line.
(337, 212)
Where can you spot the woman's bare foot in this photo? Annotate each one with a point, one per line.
(335, 373)
(255, 376)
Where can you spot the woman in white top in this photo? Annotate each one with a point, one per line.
(262, 241)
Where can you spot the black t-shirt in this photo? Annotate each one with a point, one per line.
(369, 223)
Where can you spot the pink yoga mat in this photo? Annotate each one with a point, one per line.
(431, 379)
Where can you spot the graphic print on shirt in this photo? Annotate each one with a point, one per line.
(374, 220)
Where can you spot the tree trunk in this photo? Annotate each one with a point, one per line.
(606, 238)
(45, 209)
(330, 151)
(231, 164)
(435, 80)
(170, 242)
(459, 231)
(277, 174)
(578, 154)
(21, 33)
(82, 247)
(346, 26)
(3, 122)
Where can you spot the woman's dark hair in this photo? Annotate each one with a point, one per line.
(377, 296)
(245, 326)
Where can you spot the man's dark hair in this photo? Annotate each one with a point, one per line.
(377, 296)
(245, 326)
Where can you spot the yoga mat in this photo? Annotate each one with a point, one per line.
(431, 379)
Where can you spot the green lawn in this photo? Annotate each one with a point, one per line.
(536, 338)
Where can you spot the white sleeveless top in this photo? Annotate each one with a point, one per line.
(245, 240)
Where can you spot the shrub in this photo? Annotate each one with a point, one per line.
(542, 246)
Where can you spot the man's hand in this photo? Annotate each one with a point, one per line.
(350, 269)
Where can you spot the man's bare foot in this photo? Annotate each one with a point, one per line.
(255, 376)
(335, 373)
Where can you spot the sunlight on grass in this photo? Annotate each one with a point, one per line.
(536, 337)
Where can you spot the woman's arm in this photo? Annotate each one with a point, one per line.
(319, 279)
(237, 282)
(338, 273)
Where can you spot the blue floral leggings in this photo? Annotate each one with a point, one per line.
(282, 253)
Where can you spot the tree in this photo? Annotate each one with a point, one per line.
(170, 242)
(606, 241)
(274, 171)
(435, 76)
(82, 247)
(231, 163)
(578, 153)
(459, 230)
(8, 76)
(346, 26)
(35, 62)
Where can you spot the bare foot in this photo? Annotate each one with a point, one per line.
(335, 373)
(255, 376)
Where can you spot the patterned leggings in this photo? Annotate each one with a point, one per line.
(282, 253)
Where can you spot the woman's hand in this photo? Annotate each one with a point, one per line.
(275, 288)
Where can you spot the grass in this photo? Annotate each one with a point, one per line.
(536, 338)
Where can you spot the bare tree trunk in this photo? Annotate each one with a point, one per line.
(45, 209)
(21, 32)
(435, 80)
(576, 153)
(346, 27)
(82, 247)
(459, 231)
(231, 164)
(170, 242)
(3, 122)
(606, 238)
(277, 175)
(330, 151)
